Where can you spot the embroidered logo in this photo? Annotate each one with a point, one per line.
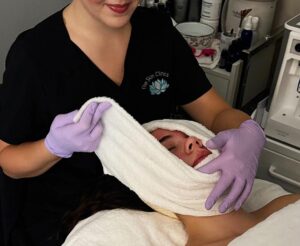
(157, 83)
(158, 86)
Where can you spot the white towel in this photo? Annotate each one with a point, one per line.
(130, 227)
(131, 154)
(190, 128)
(207, 61)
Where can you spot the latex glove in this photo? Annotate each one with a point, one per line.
(66, 136)
(240, 150)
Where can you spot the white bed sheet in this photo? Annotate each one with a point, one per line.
(128, 227)
(280, 229)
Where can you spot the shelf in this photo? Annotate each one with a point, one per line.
(226, 83)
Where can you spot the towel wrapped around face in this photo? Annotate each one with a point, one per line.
(130, 153)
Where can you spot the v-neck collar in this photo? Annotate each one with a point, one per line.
(73, 51)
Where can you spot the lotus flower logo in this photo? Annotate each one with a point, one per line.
(158, 86)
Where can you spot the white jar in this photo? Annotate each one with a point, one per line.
(211, 9)
(212, 23)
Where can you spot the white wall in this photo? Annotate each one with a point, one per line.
(285, 10)
(19, 15)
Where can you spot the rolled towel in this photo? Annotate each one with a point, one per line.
(130, 153)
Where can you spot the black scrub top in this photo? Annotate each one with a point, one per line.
(47, 74)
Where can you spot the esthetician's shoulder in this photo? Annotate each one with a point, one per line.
(42, 37)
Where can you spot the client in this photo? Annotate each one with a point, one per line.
(220, 229)
(201, 230)
(129, 153)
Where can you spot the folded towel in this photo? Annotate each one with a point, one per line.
(131, 154)
(208, 62)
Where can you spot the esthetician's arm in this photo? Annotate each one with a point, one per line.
(64, 138)
(214, 113)
(240, 141)
(25, 160)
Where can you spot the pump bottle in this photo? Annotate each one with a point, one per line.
(247, 33)
(255, 21)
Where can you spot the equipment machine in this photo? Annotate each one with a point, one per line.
(282, 151)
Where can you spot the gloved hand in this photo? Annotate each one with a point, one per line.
(66, 136)
(240, 150)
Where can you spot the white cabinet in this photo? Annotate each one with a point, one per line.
(226, 83)
(280, 164)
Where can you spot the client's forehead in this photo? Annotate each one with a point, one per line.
(161, 133)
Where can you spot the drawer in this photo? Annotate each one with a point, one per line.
(280, 169)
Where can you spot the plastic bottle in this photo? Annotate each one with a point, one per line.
(255, 21)
(150, 3)
(210, 13)
(234, 54)
(162, 6)
(180, 10)
(194, 10)
(247, 33)
(212, 23)
(211, 9)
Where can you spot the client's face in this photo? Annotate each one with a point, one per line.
(189, 149)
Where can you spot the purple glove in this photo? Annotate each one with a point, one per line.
(240, 150)
(66, 137)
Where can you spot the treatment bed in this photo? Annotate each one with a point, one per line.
(129, 227)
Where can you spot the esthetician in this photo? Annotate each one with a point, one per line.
(107, 48)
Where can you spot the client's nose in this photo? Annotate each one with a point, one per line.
(191, 144)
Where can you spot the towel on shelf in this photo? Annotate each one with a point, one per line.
(207, 61)
(131, 154)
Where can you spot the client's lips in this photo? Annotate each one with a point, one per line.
(118, 8)
(202, 155)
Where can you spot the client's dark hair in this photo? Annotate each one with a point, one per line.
(108, 193)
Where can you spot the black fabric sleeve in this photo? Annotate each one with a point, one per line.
(18, 93)
(190, 81)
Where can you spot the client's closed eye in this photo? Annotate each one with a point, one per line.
(171, 148)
